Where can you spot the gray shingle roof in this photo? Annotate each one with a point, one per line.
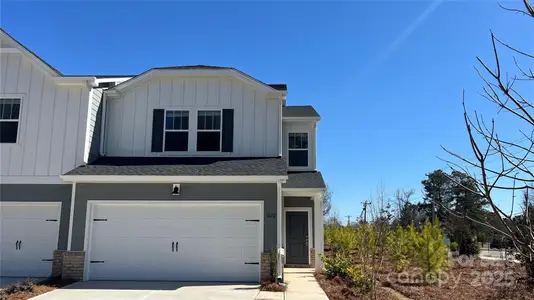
(186, 166)
(302, 180)
(299, 112)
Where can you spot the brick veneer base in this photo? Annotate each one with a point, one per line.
(57, 263)
(312, 258)
(73, 263)
(265, 272)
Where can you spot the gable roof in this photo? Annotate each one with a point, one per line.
(28, 52)
(304, 111)
(196, 70)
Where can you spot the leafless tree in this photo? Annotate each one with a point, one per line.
(502, 163)
(327, 202)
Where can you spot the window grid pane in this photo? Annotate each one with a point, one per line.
(177, 120)
(298, 140)
(209, 120)
(9, 109)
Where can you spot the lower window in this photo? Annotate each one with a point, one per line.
(209, 141)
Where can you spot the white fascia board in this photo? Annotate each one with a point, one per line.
(31, 180)
(148, 75)
(171, 179)
(112, 79)
(301, 119)
(89, 82)
(305, 192)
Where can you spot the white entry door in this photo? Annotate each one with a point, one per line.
(29, 236)
(202, 241)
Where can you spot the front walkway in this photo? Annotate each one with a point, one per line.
(302, 285)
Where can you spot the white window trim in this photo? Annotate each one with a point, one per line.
(209, 130)
(298, 149)
(176, 130)
(21, 98)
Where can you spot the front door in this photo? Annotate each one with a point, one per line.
(297, 237)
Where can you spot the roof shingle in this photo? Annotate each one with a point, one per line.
(184, 166)
(304, 180)
(299, 112)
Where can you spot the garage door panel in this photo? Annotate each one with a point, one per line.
(27, 238)
(134, 228)
(238, 212)
(29, 212)
(213, 242)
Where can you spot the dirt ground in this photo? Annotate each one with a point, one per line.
(476, 280)
(469, 279)
(26, 291)
(337, 289)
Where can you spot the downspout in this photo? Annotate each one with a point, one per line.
(280, 250)
(71, 216)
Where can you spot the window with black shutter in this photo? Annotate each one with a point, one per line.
(209, 130)
(9, 119)
(176, 130)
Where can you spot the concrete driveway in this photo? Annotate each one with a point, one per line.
(134, 290)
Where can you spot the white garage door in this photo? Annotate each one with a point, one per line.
(29, 234)
(208, 241)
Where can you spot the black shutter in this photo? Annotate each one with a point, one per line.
(157, 130)
(228, 130)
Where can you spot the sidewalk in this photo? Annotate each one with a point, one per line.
(302, 285)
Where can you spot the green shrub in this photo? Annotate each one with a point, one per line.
(360, 280)
(430, 251)
(469, 247)
(411, 239)
(453, 246)
(337, 265)
(397, 243)
(273, 264)
(340, 238)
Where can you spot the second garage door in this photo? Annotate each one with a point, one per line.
(208, 241)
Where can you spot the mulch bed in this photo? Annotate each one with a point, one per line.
(337, 289)
(475, 280)
(272, 287)
(29, 289)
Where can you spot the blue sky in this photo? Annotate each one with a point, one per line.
(386, 76)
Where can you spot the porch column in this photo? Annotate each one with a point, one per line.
(319, 230)
(279, 215)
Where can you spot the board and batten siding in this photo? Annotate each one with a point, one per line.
(53, 121)
(308, 127)
(92, 140)
(256, 117)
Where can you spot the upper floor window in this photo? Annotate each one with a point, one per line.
(176, 130)
(209, 130)
(9, 119)
(298, 149)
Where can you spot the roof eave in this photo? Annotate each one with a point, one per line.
(173, 179)
(302, 119)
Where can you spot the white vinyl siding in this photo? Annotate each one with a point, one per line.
(95, 115)
(256, 117)
(53, 121)
(300, 127)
